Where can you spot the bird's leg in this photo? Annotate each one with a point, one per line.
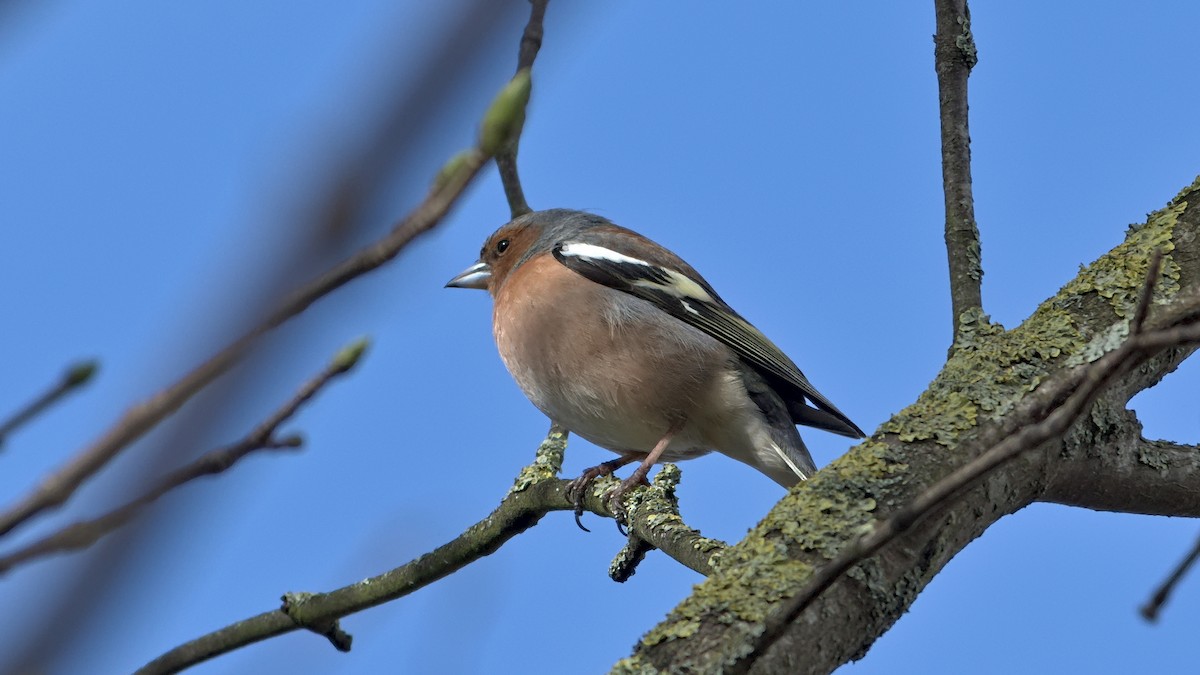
(578, 487)
(638, 477)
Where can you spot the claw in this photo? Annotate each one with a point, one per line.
(577, 488)
(575, 492)
(578, 518)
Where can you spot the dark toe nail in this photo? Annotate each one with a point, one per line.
(579, 522)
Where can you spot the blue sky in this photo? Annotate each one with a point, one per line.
(158, 160)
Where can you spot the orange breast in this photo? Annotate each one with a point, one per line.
(606, 365)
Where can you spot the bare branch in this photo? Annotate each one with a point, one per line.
(1127, 475)
(954, 56)
(84, 533)
(75, 377)
(531, 39)
(506, 160)
(535, 493)
(1155, 604)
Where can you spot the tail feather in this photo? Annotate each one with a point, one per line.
(806, 415)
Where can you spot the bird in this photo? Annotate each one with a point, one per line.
(620, 341)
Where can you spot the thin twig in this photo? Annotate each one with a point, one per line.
(84, 533)
(1154, 605)
(954, 56)
(506, 160)
(531, 39)
(74, 378)
(535, 493)
(1083, 383)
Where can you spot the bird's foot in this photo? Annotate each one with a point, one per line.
(616, 495)
(577, 488)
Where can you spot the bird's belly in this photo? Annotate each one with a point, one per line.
(622, 428)
(620, 378)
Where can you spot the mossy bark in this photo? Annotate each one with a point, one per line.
(984, 389)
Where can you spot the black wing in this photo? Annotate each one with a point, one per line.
(690, 299)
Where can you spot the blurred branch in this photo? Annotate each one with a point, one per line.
(535, 492)
(414, 108)
(954, 56)
(506, 159)
(1155, 604)
(75, 377)
(531, 39)
(317, 231)
(452, 181)
(85, 533)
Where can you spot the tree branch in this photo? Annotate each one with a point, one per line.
(954, 56)
(1106, 464)
(655, 523)
(535, 492)
(84, 533)
(996, 383)
(75, 377)
(1083, 384)
(1130, 474)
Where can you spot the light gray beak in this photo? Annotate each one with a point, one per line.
(475, 276)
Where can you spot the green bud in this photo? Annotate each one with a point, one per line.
(503, 121)
(79, 374)
(289, 441)
(350, 354)
(451, 168)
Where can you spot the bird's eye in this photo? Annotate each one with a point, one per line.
(501, 246)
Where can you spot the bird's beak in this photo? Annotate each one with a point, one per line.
(475, 276)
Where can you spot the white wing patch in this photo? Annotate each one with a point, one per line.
(580, 250)
(679, 285)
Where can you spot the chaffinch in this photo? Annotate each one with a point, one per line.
(620, 341)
